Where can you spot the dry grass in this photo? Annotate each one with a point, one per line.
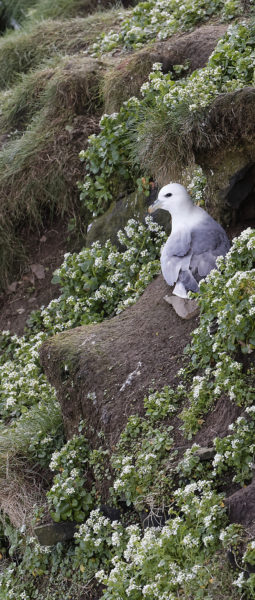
(22, 483)
(20, 103)
(28, 48)
(22, 488)
(39, 168)
(125, 79)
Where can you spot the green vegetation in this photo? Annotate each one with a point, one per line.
(159, 19)
(179, 107)
(101, 281)
(39, 160)
(149, 474)
(30, 47)
(16, 9)
(37, 10)
(68, 498)
(227, 298)
(42, 115)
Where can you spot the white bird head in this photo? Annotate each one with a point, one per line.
(172, 197)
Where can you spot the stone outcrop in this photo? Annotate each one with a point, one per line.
(241, 506)
(133, 206)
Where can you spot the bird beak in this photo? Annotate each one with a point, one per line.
(154, 206)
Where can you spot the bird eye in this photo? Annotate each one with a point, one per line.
(168, 195)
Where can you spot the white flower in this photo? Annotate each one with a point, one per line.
(100, 575)
(217, 459)
(207, 520)
(116, 538)
(98, 541)
(240, 581)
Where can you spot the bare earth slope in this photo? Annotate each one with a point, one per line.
(102, 372)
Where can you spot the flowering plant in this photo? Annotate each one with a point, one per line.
(96, 540)
(140, 462)
(226, 300)
(114, 156)
(102, 281)
(68, 498)
(168, 562)
(236, 451)
(161, 18)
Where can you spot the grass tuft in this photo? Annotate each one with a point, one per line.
(27, 49)
(125, 80)
(22, 484)
(37, 10)
(168, 143)
(39, 165)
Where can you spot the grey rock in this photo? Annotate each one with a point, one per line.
(205, 453)
(116, 217)
(52, 533)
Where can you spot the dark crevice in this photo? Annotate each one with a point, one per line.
(3, 20)
(6, 21)
(240, 195)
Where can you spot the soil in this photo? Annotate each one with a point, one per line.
(241, 507)
(32, 288)
(102, 372)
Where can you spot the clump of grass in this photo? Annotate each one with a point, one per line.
(125, 80)
(28, 48)
(24, 434)
(46, 9)
(229, 121)
(39, 168)
(36, 10)
(22, 489)
(16, 9)
(25, 445)
(22, 102)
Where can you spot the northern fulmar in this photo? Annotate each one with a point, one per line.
(195, 242)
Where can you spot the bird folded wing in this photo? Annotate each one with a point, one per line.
(176, 256)
(212, 239)
(178, 244)
(202, 264)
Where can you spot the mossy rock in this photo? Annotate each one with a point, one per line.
(225, 149)
(134, 206)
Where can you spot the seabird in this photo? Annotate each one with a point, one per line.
(195, 242)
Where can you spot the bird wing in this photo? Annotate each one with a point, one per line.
(176, 255)
(194, 249)
(208, 241)
(178, 243)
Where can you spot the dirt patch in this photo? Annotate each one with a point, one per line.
(194, 47)
(102, 372)
(33, 287)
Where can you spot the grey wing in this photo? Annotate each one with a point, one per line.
(207, 242)
(176, 255)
